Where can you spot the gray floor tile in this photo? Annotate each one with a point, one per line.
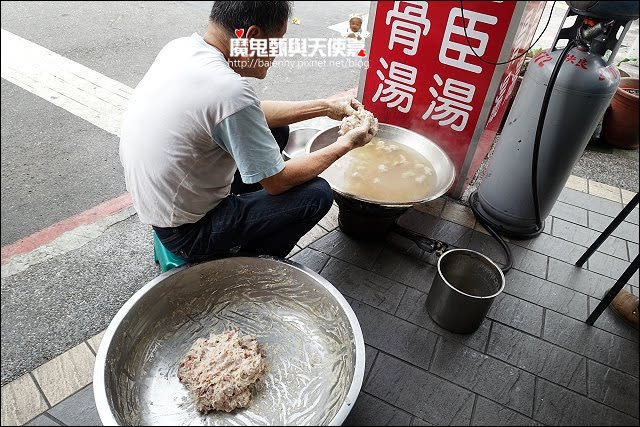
(413, 308)
(311, 258)
(625, 230)
(594, 343)
(363, 285)
(570, 213)
(612, 322)
(294, 251)
(579, 278)
(555, 405)
(584, 236)
(66, 374)
(78, 410)
(370, 357)
(553, 247)
(371, 411)
(490, 413)
(43, 420)
(420, 393)
(402, 339)
(21, 399)
(339, 245)
(633, 250)
(610, 266)
(517, 313)
(312, 235)
(548, 225)
(415, 421)
(546, 294)
(539, 357)
(435, 228)
(634, 216)
(484, 375)
(330, 220)
(405, 269)
(523, 259)
(613, 388)
(407, 247)
(592, 203)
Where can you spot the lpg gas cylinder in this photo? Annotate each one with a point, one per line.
(582, 92)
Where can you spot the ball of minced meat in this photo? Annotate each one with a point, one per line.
(222, 370)
(355, 120)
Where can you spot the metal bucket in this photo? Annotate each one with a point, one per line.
(463, 290)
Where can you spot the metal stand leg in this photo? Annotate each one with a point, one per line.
(607, 232)
(622, 281)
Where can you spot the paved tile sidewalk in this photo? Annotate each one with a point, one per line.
(532, 361)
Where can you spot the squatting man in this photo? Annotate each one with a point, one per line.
(202, 154)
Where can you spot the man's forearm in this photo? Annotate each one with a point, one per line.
(282, 113)
(302, 169)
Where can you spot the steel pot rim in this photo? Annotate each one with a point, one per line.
(502, 280)
(303, 150)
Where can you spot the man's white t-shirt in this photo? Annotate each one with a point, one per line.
(191, 121)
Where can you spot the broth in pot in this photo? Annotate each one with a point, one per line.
(383, 171)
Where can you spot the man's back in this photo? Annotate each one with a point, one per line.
(174, 169)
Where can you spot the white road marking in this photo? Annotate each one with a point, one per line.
(80, 90)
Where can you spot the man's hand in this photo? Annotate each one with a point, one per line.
(357, 137)
(338, 109)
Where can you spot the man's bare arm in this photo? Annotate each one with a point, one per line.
(302, 169)
(282, 113)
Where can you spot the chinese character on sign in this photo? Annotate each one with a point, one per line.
(463, 49)
(570, 58)
(454, 107)
(398, 88)
(542, 58)
(239, 47)
(408, 25)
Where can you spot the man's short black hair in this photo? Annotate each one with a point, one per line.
(270, 16)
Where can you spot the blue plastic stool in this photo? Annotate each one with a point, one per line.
(164, 257)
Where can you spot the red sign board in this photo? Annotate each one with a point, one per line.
(423, 73)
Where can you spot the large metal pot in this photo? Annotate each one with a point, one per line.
(367, 218)
(312, 339)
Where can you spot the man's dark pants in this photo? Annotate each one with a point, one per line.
(250, 221)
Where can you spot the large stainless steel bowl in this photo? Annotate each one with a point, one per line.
(313, 343)
(442, 164)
